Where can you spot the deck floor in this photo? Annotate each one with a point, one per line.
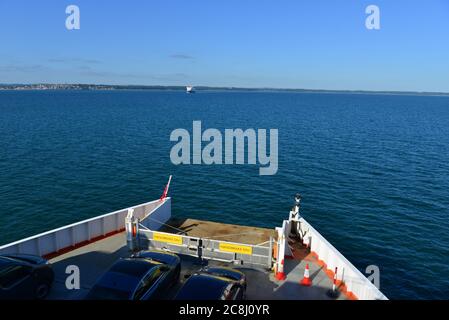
(95, 258)
(219, 231)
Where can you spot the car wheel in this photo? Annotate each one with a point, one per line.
(42, 290)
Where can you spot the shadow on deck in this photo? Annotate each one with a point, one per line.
(95, 258)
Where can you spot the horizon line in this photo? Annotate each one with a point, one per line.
(149, 86)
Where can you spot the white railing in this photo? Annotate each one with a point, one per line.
(152, 214)
(354, 280)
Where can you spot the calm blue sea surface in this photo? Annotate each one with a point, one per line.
(373, 169)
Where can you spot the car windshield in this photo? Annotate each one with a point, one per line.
(146, 283)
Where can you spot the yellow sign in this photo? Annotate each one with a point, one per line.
(169, 238)
(235, 248)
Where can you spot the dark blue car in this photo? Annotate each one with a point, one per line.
(24, 277)
(146, 275)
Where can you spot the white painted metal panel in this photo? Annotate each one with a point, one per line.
(355, 281)
(71, 235)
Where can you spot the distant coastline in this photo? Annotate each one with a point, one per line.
(92, 87)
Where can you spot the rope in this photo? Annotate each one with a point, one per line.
(167, 225)
(211, 238)
(235, 234)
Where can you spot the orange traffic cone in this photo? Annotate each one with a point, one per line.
(306, 280)
(280, 275)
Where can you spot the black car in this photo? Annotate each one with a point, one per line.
(144, 276)
(213, 284)
(24, 277)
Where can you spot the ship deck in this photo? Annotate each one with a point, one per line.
(95, 258)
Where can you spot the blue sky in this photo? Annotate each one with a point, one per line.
(252, 43)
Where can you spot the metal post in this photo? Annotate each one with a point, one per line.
(270, 254)
(132, 231)
(294, 213)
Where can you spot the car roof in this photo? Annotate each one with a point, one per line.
(24, 258)
(133, 267)
(4, 261)
(118, 281)
(203, 287)
(124, 276)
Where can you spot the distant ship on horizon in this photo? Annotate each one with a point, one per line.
(190, 89)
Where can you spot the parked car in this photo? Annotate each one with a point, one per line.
(214, 284)
(24, 277)
(146, 275)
